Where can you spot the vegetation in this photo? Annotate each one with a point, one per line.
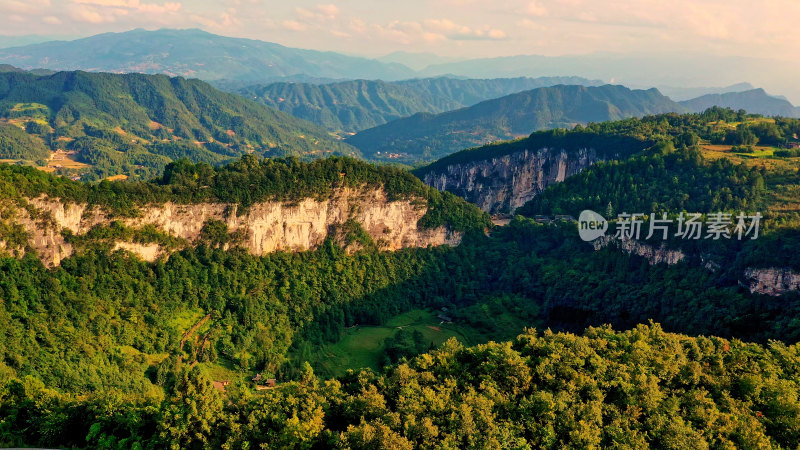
(108, 351)
(661, 180)
(351, 106)
(639, 388)
(427, 137)
(135, 124)
(247, 181)
(623, 138)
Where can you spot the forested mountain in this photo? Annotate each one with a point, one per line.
(504, 176)
(429, 136)
(135, 124)
(681, 93)
(126, 351)
(352, 106)
(755, 101)
(175, 53)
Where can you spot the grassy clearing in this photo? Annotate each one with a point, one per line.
(761, 157)
(186, 319)
(363, 346)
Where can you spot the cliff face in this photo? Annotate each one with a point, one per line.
(654, 255)
(772, 281)
(264, 227)
(507, 182)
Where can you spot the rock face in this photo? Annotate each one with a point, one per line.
(507, 182)
(772, 281)
(654, 255)
(265, 227)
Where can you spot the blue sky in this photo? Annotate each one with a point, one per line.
(458, 28)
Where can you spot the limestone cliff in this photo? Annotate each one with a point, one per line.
(772, 281)
(507, 182)
(264, 227)
(654, 255)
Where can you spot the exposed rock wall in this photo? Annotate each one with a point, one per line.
(507, 182)
(266, 227)
(654, 255)
(772, 281)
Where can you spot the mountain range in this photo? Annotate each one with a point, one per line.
(430, 136)
(351, 106)
(754, 100)
(237, 62)
(175, 52)
(136, 123)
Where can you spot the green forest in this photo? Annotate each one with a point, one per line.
(135, 124)
(506, 340)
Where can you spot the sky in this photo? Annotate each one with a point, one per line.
(449, 28)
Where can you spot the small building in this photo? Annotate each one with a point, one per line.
(565, 217)
(791, 145)
(542, 219)
(444, 318)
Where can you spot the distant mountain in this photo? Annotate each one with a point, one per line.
(16, 41)
(9, 68)
(415, 61)
(352, 106)
(687, 69)
(195, 53)
(753, 101)
(135, 124)
(428, 137)
(687, 93)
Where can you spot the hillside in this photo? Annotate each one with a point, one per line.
(352, 106)
(279, 270)
(428, 137)
(755, 101)
(175, 53)
(504, 176)
(260, 205)
(134, 124)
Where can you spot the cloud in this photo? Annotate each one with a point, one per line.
(225, 21)
(454, 31)
(320, 14)
(294, 25)
(135, 5)
(535, 9)
(9, 7)
(51, 20)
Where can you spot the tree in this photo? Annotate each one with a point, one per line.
(189, 419)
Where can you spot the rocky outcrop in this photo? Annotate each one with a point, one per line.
(654, 255)
(507, 182)
(772, 281)
(264, 227)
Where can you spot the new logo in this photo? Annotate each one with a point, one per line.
(591, 225)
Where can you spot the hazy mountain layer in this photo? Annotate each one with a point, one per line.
(351, 106)
(431, 136)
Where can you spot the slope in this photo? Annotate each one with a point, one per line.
(427, 136)
(754, 101)
(134, 124)
(352, 106)
(175, 52)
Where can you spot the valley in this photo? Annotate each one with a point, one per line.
(225, 242)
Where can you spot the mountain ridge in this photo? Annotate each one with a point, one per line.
(173, 52)
(425, 136)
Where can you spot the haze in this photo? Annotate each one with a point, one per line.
(462, 29)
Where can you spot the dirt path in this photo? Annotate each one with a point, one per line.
(191, 331)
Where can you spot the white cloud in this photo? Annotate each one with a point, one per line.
(135, 5)
(294, 25)
(535, 9)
